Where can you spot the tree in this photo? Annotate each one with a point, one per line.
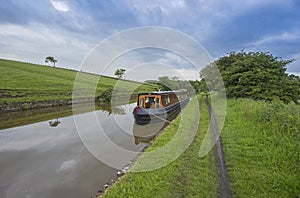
(165, 83)
(256, 75)
(199, 86)
(120, 73)
(50, 59)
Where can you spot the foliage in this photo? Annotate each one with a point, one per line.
(199, 86)
(255, 75)
(105, 96)
(120, 73)
(50, 59)
(173, 83)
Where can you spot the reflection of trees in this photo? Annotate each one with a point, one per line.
(114, 110)
(54, 123)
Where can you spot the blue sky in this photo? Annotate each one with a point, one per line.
(68, 30)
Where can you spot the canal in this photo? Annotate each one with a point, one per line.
(48, 158)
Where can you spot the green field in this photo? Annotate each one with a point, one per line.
(261, 143)
(23, 82)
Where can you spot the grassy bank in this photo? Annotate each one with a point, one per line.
(187, 176)
(23, 82)
(262, 148)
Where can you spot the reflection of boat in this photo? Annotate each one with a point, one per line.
(146, 133)
(159, 106)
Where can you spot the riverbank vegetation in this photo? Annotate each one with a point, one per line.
(23, 82)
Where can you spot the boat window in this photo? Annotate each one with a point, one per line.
(157, 103)
(150, 102)
(141, 102)
(168, 99)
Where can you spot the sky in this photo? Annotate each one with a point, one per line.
(69, 29)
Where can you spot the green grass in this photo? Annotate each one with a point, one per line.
(23, 82)
(187, 176)
(261, 142)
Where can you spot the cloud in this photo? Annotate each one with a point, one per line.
(61, 6)
(34, 42)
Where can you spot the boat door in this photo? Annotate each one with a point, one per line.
(157, 102)
(142, 102)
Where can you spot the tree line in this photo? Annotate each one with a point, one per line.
(255, 75)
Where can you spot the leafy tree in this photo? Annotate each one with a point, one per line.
(173, 83)
(120, 73)
(211, 79)
(199, 86)
(50, 59)
(255, 75)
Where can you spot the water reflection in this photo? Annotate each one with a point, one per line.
(20, 118)
(148, 132)
(35, 162)
(115, 110)
(54, 123)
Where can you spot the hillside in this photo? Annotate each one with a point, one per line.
(22, 82)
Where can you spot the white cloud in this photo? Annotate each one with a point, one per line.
(61, 6)
(19, 31)
(153, 70)
(188, 74)
(33, 42)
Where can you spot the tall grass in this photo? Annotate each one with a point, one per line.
(262, 148)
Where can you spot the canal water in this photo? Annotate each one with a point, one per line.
(48, 159)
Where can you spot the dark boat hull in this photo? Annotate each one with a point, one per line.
(145, 116)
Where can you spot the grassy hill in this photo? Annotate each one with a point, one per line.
(23, 82)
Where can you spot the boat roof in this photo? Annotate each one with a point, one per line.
(163, 92)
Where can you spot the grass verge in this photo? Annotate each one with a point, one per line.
(262, 148)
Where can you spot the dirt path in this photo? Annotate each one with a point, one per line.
(225, 185)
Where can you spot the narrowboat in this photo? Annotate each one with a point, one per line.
(159, 106)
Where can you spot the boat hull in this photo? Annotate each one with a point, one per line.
(146, 116)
